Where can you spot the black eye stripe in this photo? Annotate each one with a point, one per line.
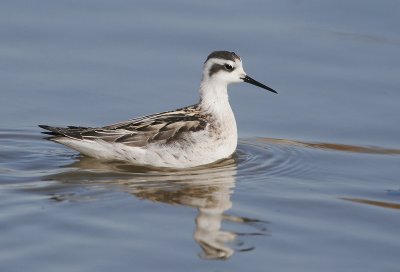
(217, 67)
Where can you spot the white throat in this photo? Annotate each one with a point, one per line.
(214, 96)
(215, 103)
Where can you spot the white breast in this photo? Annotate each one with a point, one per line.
(198, 148)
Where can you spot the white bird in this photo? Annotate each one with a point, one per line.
(191, 136)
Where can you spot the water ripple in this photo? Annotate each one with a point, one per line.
(37, 167)
(24, 154)
(267, 159)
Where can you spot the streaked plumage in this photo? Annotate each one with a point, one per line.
(161, 128)
(187, 137)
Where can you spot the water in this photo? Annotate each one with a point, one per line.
(313, 186)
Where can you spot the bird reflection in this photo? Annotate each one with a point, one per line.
(206, 189)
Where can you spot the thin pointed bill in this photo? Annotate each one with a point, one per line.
(256, 83)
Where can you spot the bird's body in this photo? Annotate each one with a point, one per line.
(187, 137)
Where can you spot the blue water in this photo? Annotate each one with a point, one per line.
(313, 186)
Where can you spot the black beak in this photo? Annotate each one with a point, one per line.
(255, 82)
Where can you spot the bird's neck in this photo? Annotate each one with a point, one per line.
(214, 103)
(214, 97)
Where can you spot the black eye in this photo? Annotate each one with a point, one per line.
(228, 67)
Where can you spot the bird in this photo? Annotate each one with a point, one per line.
(196, 135)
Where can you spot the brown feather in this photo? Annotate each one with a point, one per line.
(162, 128)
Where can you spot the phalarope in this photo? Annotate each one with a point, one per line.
(187, 137)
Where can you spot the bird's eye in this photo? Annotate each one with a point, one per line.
(228, 67)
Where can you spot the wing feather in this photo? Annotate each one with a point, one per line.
(161, 128)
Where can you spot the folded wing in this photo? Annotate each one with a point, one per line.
(162, 128)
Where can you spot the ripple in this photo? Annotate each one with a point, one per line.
(267, 157)
(334, 146)
(257, 159)
(383, 204)
(254, 160)
(31, 165)
(25, 154)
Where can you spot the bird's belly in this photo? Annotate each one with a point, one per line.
(198, 149)
(195, 149)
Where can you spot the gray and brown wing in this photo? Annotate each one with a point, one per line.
(161, 128)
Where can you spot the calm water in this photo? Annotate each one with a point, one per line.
(313, 186)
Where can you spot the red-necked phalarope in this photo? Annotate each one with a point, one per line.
(191, 136)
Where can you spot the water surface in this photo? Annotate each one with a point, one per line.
(313, 186)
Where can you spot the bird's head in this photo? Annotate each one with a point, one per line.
(224, 67)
